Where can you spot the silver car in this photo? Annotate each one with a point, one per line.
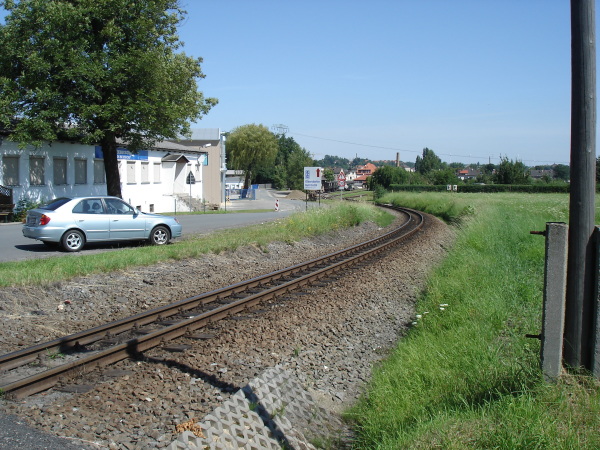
(74, 221)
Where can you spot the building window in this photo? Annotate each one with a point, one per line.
(99, 173)
(36, 170)
(145, 174)
(59, 171)
(131, 171)
(80, 171)
(10, 169)
(157, 172)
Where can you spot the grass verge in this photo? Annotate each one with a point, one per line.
(297, 226)
(465, 376)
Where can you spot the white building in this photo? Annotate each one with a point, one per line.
(154, 180)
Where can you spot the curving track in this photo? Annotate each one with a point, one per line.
(130, 337)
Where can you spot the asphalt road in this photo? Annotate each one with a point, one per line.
(15, 247)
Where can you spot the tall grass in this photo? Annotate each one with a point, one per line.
(465, 376)
(297, 226)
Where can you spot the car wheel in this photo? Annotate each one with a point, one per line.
(73, 240)
(160, 236)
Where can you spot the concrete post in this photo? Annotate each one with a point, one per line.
(555, 288)
(596, 326)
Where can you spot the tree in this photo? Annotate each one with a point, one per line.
(563, 172)
(388, 175)
(445, 176)
(299, 159)
(430, 161)
(251, 147)
(103, 73)
(510, 172)
(328, 175)
(333, 161)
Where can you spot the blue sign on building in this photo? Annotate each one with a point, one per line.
(123, 153)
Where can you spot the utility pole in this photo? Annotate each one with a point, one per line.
(581, 299)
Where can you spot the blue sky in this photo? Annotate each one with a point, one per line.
(470, 79)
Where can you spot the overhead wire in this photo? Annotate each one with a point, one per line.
(452, 155)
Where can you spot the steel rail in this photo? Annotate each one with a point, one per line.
(135, 347)
(80, 339)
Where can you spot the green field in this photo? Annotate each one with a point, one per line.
(465, 376)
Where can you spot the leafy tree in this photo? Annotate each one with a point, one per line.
(251, 147)
(328, 175)
(388, 175)
(562, 172)
(288, 170)
(488, 169)
(298, 159)
(332, 162)
(446, 176)
(510, 172)
(358, 162)
(97, 72)
(428, 162)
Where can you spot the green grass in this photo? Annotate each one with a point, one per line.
(465, 376)
(294, 228)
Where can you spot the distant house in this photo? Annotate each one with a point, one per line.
(539, 174)
(362, 173)
(468, 173)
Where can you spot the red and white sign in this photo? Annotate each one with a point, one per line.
(341, 179)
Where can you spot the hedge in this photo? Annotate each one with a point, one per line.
(477, 188)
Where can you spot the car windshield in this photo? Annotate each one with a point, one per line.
(55, 204)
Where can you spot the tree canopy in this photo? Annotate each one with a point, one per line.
(288, 170)
(250, 148)
(97, 72)
(511, 172)
(428, 162)
(387, 175)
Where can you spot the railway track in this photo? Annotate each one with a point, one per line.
(132, 336)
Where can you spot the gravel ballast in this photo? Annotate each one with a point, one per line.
(329, 336)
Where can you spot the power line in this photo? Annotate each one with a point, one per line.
(404, 150)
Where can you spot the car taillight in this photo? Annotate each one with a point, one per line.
(44, 220)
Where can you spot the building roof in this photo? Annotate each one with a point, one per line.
(176, 157)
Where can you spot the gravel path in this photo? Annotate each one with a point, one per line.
(329, 337)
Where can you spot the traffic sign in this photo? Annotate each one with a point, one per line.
(341, 176)
(312, 178)
(191, 179)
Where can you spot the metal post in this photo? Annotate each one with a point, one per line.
(580, 269)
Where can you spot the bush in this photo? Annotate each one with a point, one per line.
(21, 208)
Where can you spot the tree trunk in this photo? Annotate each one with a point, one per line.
(247, 179)
(111, 166)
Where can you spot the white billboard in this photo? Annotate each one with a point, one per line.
(312, 178)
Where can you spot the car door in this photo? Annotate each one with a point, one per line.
(89, 215)
(124, 222)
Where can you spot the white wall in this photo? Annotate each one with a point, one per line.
(155, 191)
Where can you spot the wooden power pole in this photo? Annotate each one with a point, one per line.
(581, 298)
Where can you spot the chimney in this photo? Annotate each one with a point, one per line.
(397, 159)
